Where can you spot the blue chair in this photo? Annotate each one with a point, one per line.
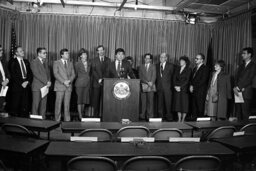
(147, 163)
(249, 129)
(198, 163)
(221, 132)
(133, 131)
(101, 134)
(86, 163)
(14, 129)
(164, 134)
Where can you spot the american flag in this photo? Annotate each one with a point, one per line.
(13, 41)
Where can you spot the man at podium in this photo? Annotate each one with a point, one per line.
(120, 68)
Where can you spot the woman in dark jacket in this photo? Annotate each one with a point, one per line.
(181, 85)
(82, 84)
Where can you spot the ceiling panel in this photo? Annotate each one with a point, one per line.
(213, 2)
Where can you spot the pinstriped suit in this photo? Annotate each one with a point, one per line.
(41, 75)
(63, 92)
(147, 98)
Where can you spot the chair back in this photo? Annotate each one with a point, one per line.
(198, 163)
(165, 133)
(221, 132)
(249, 129)
(14, 129)
(86, 163)
(133, 131)
(2, 166)
(147, 163)
(101, 134)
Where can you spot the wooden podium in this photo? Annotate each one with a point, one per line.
(121, 99)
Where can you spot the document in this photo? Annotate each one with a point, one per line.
(239, 98)
(3, 91)
(44, 91)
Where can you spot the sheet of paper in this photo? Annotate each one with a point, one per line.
(239, 98)
(3, 91)
(44, 91)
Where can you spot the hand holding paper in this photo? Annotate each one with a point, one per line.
(44, 91)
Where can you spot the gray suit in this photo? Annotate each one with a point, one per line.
(62, 92)
(41, 75)
(147, 96)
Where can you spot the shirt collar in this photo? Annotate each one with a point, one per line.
(63, 61)
(248, 62)
(199, 65)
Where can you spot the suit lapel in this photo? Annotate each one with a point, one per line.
(40, 64)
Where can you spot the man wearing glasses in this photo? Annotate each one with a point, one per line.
(41, 78)
(198, 86)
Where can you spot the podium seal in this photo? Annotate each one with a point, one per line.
(121, 90)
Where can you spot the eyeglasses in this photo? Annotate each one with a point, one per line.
(44, 53)
(197, 58)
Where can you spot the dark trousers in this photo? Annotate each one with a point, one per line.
(198, 104)
(20, 103)
(243, 110)
(2, 104)
(164, 102)
(97, 94)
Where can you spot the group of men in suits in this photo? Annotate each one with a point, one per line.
(22, 77)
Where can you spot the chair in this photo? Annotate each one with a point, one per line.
(14, 129)
(249, 129)
(165, 133)
(133, 131)
(2, 166)
(147, 163)
(221, 132)
(86, 163)
(198, 163)
(102, 134)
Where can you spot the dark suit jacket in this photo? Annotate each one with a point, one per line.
(199, 80)
(166, 81)
(7, 76)
(16, 75)
(99, 70)
(244, 78)
(41, 74)
(127, 70)
(83, 77)
(182, 79)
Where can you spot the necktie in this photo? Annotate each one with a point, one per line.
(118, 66)
(161, 70)
(101, 59)
(195, 71)
(23, 68)
(44, 63)
(65, 65)
(2, 71)
(147, 66)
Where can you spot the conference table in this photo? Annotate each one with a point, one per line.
(244, 146)
(239, 144)
(210, 125)
(61, 152)
(77, 127)
(32, 124)
(17, 148)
